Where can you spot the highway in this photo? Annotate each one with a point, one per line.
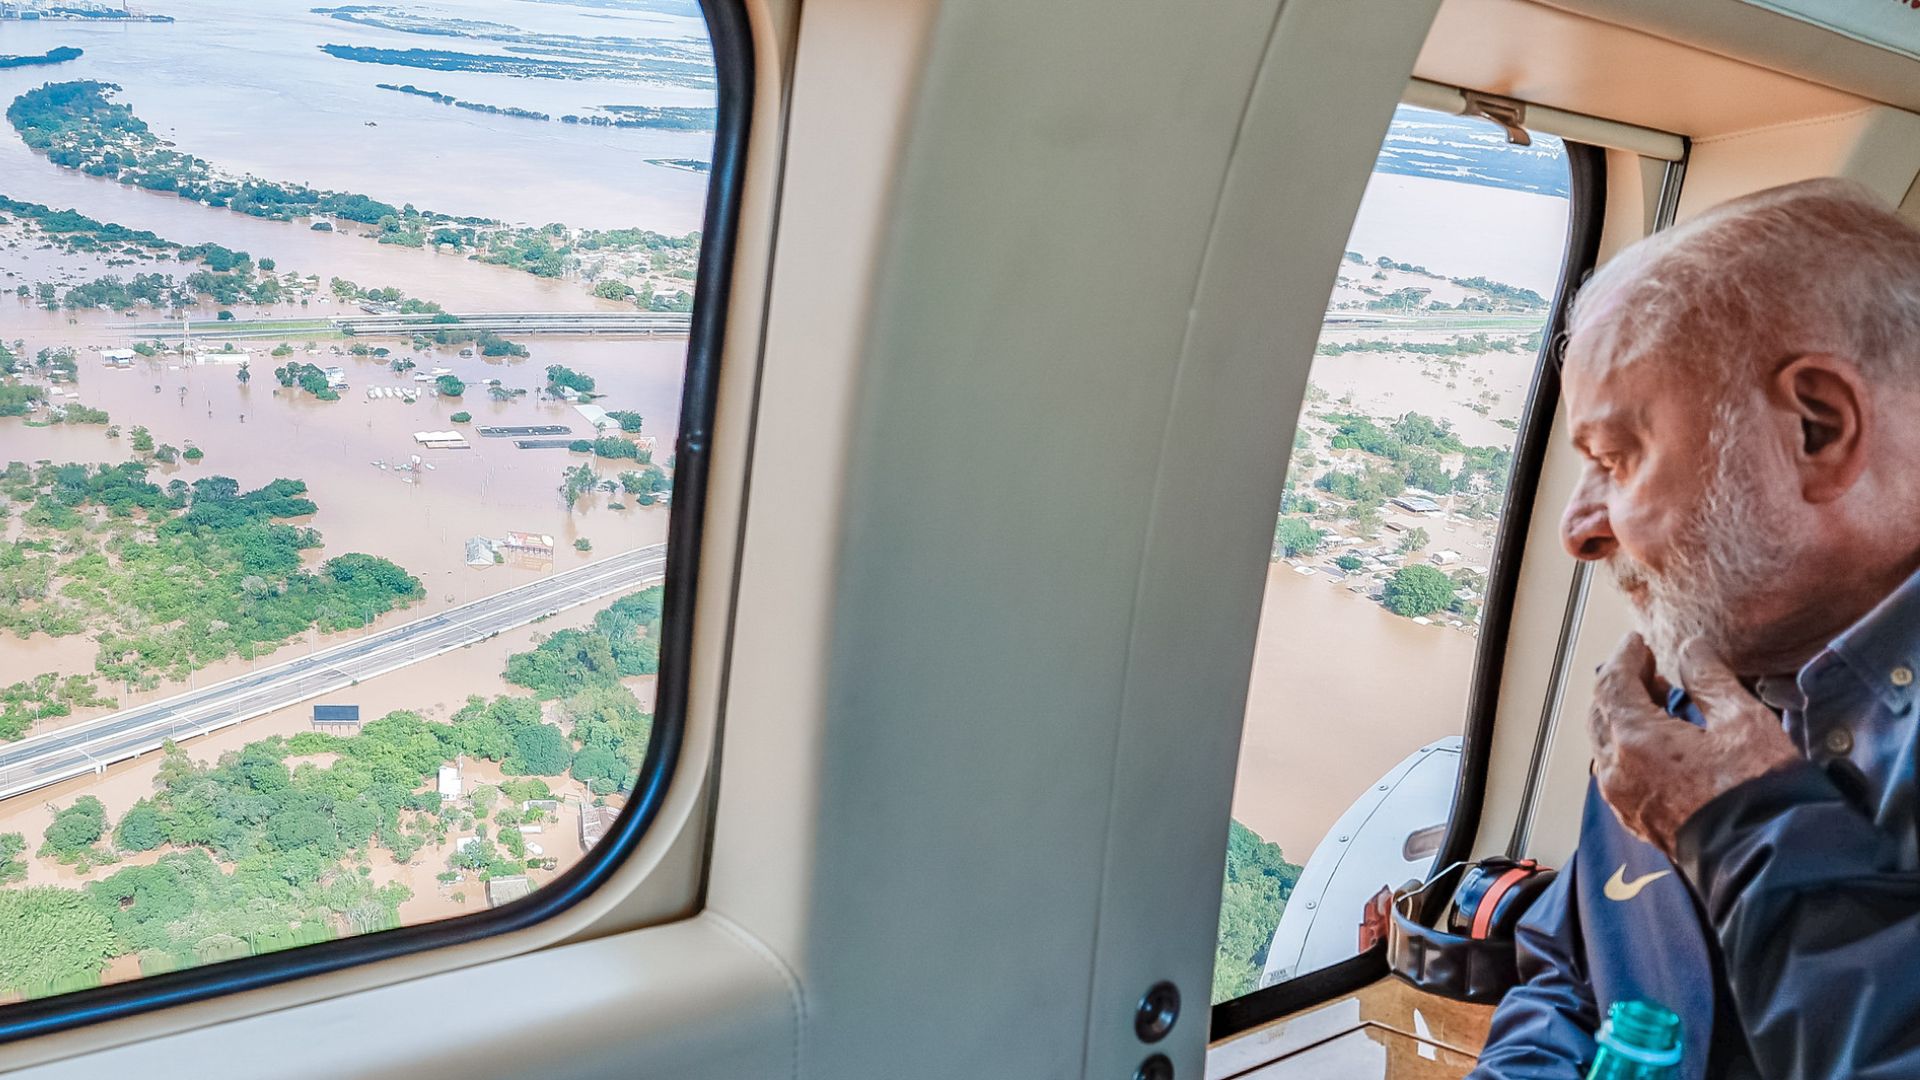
(91, 746)
(635, 323)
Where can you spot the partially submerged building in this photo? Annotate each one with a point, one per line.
(505, 890)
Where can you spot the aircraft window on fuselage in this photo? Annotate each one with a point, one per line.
(1384, 540)
(343, 357)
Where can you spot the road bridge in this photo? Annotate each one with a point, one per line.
(91, 746)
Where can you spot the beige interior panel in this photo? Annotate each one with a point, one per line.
(846, 123)
(1272, 256)
(1540, 54)
(981, 749)
(1770, 40)
(696, 1000)
(1878, 146)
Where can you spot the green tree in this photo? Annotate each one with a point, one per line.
(1257, 883)
(1294, 536)
(1349, 562)
(576, 482)
(54, 938)
(1413, 540)
(460, 417)
(1418, 590)
(141, 828)
(1426, 471)
(76, 828)
(12, 866)
(538, 750)
(450, 386)
(596, 763)
(142, 440)
(560, 376)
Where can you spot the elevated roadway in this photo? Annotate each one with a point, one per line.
(91, 746)
(578, 323)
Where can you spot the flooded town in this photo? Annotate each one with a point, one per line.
(293, 362)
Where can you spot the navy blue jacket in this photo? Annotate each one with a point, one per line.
(1817, 907)
(1618, 924)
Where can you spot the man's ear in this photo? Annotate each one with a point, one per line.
(1830, 400)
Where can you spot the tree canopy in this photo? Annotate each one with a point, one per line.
(1418, 590)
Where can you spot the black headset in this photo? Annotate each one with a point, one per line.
(1472, 958)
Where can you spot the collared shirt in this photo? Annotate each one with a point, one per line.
(1852, 711)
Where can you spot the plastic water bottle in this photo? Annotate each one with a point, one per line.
(1639, 1041)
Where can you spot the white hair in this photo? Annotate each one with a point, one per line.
(1820, 266)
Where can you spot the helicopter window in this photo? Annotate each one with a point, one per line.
(1385, 546)
(353, 422)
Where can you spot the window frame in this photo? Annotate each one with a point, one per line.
(730, 36)
(1587, 198)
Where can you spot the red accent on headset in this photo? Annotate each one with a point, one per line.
(1483, 914)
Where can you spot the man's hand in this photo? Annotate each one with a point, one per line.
(1656, 770)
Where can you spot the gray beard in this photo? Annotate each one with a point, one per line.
(1727, 551)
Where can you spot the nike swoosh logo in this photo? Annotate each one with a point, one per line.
(1620, 889)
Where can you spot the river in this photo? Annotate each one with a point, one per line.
(243, 83)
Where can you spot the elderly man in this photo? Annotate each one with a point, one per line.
(1744, 390)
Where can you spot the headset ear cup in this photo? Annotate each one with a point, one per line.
(1473, 959)
(1514, 905)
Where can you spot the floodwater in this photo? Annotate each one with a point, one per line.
(214, 81)
(1463, 230)
(420, 519)
(227, 71)
(1342, 690)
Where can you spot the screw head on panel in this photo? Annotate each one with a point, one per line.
(1158, 1009)
(1156, 1067)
